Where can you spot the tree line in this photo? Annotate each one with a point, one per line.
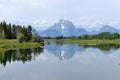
(100, 36)
(22, 33)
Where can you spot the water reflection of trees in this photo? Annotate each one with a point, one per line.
(19, 55)
(103, 47)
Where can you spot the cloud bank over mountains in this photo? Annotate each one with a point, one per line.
(43, 13)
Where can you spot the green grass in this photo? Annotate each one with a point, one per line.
(14, 44)
(93, 41)
(76, 41)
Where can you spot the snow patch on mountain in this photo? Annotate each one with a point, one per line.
(66, 28)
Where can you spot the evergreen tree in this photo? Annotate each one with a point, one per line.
(9, 33)
(5, 30)
(29, 33)
(14, 35)
(23, 33)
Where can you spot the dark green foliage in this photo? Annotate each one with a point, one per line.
(100, 36)
(14, 35)
(37, 38)
(59, 37)
(20, 38)
(103, 47)
(104, 35)
(9, 33)
(22, 33)
(29, 33)
(5, 29)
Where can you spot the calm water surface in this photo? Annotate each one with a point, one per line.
(57, 61)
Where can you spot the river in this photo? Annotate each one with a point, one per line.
(60, 61)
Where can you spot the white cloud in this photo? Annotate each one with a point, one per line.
(42, 12)
(39, 22)
(36, 21)
(43, 22)
(43, 57)
(96, 22)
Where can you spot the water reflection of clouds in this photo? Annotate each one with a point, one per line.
(90, 62)
(46, 56)
(96, 56)
(43, 58)
(67, 52)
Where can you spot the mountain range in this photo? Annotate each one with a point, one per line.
(66, 28)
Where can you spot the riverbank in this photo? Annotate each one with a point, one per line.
(14, 44)
(86, 42)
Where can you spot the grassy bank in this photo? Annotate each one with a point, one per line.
(75, 41)
(14, 44)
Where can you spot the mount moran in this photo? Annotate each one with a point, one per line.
(66, 28)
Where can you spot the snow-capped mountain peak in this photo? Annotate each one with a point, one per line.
(62, 26)
(63, 21)
(66, 28)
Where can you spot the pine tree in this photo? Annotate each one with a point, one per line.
(5, 30)
(29, 33)
(14, 35)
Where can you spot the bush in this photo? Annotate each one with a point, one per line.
(37, 38)
(20, 37)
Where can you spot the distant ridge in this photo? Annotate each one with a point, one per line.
(108, 28)
(66, 28)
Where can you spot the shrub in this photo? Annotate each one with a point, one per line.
(20, 37)
(37, 38)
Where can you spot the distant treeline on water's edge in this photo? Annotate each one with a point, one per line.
(100, 36)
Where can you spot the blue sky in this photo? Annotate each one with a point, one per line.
(43, 13)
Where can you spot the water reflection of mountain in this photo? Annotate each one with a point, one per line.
(19, 55)
(66, 51)
(63, 51)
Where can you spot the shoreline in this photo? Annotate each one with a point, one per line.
(14, 44)
(85, 42)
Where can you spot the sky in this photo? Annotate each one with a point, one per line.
(44, 13)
